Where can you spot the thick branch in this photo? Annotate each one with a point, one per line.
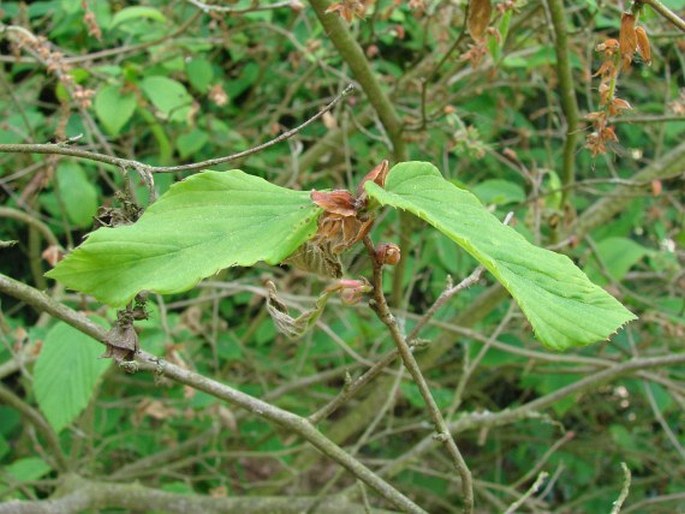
(353, 55)
(666, 13)
(668, 166)
(281, 417)
(569, 104)
(78, 495)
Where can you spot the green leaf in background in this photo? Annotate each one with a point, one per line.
(200, 74)
(499, 192)
(169, 96)
(190, 143)
(205, 223)
(563, 306)
(20, 471)
(66, 373)
(135, 13)
(114, 108)
(78, 194)
(618, 255)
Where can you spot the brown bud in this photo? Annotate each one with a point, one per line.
(656, 187)
(478, 18)
(643, 45)
(388, 253)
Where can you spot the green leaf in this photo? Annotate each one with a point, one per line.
(168, 96)
(26, 470)
(135, 13)
(66, 373)
(205, 223)
(190, 143)
(618, 255)
(200, 74)
(78, 193)
(499, 192)
(114, 108)
(563, 306)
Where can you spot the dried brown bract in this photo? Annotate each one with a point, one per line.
(478, 18)
(627, 39)
(643, 45)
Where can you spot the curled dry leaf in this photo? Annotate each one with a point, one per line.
(122, 342)
(376, 175)
(339, 202)
(478, 18)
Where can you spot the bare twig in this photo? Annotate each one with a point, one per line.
(207, 8)
(40, 423)
(530, 492)
(61, 149)
(625, 490)
(443, 435)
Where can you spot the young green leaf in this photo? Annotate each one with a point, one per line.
(563, 306)
(66, 373)
(205, 223)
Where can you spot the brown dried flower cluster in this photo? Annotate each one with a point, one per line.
(617, 55)
(90, 21)
(343, 223)
(348, 9)
(54, 62)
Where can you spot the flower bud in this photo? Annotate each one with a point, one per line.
(388, 253)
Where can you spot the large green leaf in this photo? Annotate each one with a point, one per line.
(563, 306)
(66, 372)
(207, 222)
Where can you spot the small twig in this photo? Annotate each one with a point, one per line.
(443, 435)
(618, 504)
(444, 297)
(530, 492)
(449, 292)
(61, 149)
(558, 444)
(40, 423)
(207, 8)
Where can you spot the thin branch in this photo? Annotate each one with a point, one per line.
(380, 306)
(530, 492)
(10, 212)
(625, 490)
(283, 418)
(666, 13)
(39, 422)
(62, 149)
(207, 8)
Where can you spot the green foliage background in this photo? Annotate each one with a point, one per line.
(181, 86)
